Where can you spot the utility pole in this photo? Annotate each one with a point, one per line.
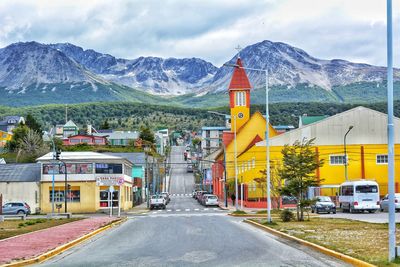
(391, 182)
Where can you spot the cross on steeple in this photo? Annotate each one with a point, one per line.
(238, 48)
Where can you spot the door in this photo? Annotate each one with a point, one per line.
(7, 208)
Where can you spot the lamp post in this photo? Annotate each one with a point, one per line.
(345, 154)
(265, 71)
(391, 182)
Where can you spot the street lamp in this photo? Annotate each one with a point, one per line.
(390, 127)
(345, 153)
(266, 134)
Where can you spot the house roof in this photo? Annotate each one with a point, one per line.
(28, 172)
(305, 120)
(239, 78)
(252, 143)
(119, 135)
(70, 123)
(138, 158)
(80, 156)
(369, 127)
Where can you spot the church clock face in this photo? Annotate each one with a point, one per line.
(240, 115)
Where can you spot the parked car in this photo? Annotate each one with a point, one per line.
(384, 204)
(166, 196)
(16, 207)
(189, 168)
(194, 193)
(157, 201)
(201, 195)
(359, 196)
(210, 200)
(323, 204)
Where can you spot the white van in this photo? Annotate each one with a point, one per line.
(359, 196)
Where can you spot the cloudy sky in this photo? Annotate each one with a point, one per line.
(349, 29)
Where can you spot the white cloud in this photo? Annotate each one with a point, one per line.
(353, 30)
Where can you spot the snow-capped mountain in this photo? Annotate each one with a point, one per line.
(26, 64)
(290, 66)
(156, 75)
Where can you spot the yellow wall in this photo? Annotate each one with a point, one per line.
(329, 174)
(239, 121)
(255, 126)
(89, 197)
(4, 138)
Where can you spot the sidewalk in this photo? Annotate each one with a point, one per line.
(232, 208)
(36, 243)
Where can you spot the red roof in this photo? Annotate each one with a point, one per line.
(239, 78)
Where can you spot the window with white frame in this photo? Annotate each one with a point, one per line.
(240, 99)
(337, 160)
(254, 163)
(248, 165)
(381, 159)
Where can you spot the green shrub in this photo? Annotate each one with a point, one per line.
(287, 215)
(21, 225)
(30, 222)
(40, 220)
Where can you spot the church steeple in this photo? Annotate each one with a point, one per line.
(239, 92)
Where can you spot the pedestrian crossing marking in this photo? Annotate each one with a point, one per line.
(169, 210)
(196, 209)
(187, 209)
(178, 210)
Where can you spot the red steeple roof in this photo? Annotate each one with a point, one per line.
(239, 78)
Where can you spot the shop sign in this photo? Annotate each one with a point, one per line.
(109, 181)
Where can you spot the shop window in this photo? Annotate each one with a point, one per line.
(337, 160)
(381, 159)
(108, 168)
(73, 194)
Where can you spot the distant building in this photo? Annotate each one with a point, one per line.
(4, 138)
(9, 123)
(85, 139)
(283, 128)
(162, 140)
(69, 129)
(306, 120)
(211, 138)
(21, 182)
(119, 138)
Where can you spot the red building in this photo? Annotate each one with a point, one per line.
(85, 139)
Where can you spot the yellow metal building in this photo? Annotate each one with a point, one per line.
(366, 151)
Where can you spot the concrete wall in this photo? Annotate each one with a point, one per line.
(21, 191)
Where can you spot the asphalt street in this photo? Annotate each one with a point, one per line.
(188, 234)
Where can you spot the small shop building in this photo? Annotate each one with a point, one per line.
(95, 182)
(21, 182)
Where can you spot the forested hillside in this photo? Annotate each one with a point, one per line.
(129, 116)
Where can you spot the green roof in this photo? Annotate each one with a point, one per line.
(305, 120)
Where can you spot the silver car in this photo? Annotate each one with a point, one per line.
(384, 203)
(16, 207)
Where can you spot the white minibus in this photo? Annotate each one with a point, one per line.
(359, 196)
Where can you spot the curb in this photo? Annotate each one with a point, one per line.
(324, 250)
(249, 215)
(47, 255)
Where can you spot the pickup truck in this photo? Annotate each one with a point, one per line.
(157, 201)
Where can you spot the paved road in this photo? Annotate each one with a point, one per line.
(181, 181)
(185, 234)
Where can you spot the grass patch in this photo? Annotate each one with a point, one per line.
(16, 227)
(238, 212)
(365, 241)
(273, 211)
